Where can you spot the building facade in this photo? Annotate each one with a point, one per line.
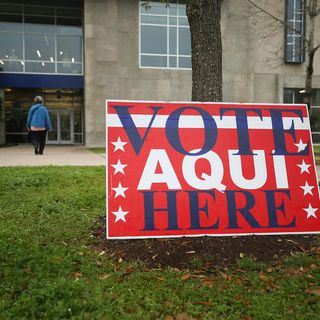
(77, 54)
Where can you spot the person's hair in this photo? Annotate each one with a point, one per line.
(38, 99)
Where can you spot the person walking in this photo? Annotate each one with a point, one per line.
(38, 123)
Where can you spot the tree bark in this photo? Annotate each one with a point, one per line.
(204, 21)
(311, 8)
(308, 83)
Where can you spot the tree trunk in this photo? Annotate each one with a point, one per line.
(204, 20)
(308, 83)
(310, 53)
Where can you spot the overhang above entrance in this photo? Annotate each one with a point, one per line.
(14, 80)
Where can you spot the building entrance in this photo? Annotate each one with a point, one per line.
(66, 127)
(65, 108)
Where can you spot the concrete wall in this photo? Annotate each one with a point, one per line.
(253, 67)
(112, 65)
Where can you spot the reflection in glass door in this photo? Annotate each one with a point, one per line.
(53, 134)
(66, 127)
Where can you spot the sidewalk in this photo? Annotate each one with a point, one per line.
(23, 155)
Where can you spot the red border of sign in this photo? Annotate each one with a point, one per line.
(204, 234)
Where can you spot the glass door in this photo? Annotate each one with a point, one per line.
(53, 136)
(65, 127)
(62, 127)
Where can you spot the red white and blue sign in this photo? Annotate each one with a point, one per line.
(194, 169)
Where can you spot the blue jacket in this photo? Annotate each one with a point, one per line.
(39, 117)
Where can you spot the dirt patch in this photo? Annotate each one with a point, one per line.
(207, 252)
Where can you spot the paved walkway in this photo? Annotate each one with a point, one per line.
(23, 155)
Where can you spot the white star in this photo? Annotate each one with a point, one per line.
(311, 211)
(304, 167)
(120, 214)
(118, 167)
(119, 145)
(301, 146)
(120, 190)
(307, 189)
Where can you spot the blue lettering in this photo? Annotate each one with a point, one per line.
(242, 128)
(278, 132)
(210, 130)
(195, 210)
(131, 130)
(149, 210)
(272, 209)
(245, 211)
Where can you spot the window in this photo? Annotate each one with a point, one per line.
(295, 31)
(164, 35)
(40, 39)
(293, 95)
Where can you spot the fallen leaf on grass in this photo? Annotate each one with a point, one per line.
(77, 275)
(264, 278)
(270, 285)
(205, 303)
(294, 242)
(190, 252)
(246, 302)
(208, 282)
(237, 297)
(240, 270)
(27, 270)
(98, 263)
(311, 301)
(160, 278)
(226, 277)
(154, 257)
(102, 253)
(313, 291)
(104, 276)
(129, 270)
(186, 276)
(183, 316)
(80, 253)
(196, 276)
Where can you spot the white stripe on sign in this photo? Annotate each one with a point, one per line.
(189, 122)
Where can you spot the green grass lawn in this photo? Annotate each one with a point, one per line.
(49, 269)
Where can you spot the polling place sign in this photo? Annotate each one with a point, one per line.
(192, 169)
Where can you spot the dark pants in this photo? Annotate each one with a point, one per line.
(38, 139)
